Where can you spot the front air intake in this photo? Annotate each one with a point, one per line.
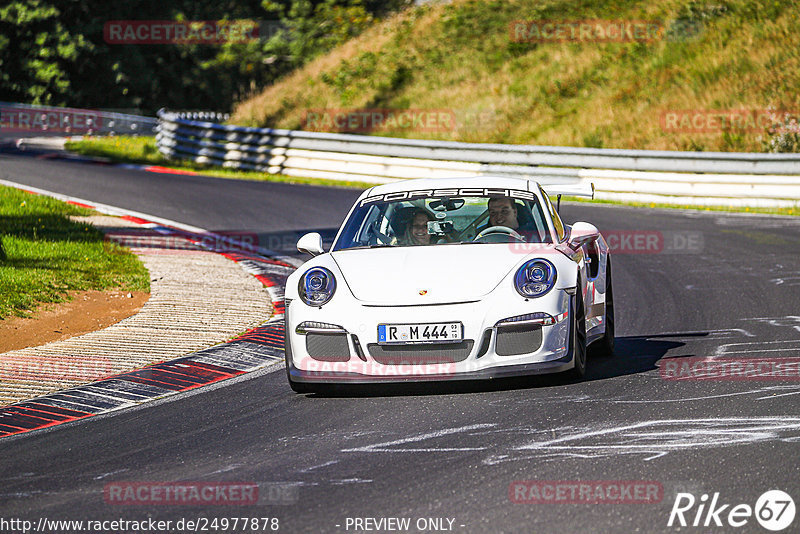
(515, 340)
(421, 353)
(328, 347)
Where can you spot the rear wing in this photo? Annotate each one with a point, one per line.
(571, 190)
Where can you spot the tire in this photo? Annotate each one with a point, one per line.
(297, 387)
(605, 345)
(578, 337)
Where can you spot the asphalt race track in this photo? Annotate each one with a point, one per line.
(714, 285)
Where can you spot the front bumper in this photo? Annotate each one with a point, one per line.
(343, 377)
(352, 354)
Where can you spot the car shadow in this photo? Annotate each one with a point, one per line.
(635, 354)
(632, 355)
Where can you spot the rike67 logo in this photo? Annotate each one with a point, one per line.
(774, 510)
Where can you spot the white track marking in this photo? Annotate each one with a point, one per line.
(382, 447)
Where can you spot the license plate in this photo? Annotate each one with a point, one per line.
(420, 333)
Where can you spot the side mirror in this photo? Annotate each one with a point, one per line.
(310, 244)
(582, 233)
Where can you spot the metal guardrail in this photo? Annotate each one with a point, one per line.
(36, 121)
(743, 179)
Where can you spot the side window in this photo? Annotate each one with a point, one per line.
(540, 222)
(559, 226)
(366, 234)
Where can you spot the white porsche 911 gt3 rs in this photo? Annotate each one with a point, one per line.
(449, 279)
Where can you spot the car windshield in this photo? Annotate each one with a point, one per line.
(395, 220)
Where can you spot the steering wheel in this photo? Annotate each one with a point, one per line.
(503, 230)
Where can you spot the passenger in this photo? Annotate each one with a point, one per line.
(417, 230)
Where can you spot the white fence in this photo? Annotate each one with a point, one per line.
(719, 178)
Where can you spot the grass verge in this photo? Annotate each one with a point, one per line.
(49, 255)
(730, 209)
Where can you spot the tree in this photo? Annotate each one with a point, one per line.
(54, 52)
(35, 52)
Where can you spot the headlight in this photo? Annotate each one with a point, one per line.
(535, 278)
(317, 286)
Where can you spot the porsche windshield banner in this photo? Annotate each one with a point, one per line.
(435, 193)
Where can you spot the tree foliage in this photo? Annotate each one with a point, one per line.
(54, 52)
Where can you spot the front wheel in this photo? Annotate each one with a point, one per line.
(578, 336)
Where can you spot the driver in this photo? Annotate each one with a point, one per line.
(503, 211)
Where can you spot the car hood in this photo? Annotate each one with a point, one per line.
(430, 274)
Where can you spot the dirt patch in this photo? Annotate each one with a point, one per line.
(86, 312)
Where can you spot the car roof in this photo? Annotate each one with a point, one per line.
(499, 182)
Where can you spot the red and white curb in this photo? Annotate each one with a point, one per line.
(258, 348)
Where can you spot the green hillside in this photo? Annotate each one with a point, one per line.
(463, 59)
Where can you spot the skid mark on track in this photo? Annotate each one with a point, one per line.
(786, 321)
(346, 481)
(789, 346)
(105, 475)
(656, 438)
(706, 334)
(759, 393)
(320, 466)
(646, 440)
(786, 281)
(777, 391)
